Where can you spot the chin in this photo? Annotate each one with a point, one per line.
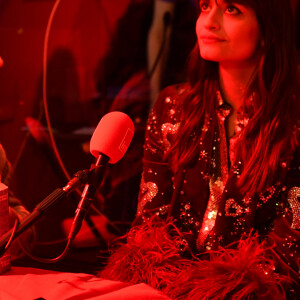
(209, 53)
(211, 57)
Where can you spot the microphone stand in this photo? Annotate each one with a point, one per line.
(39, 211)
(88, 195)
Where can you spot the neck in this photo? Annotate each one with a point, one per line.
(234, 83)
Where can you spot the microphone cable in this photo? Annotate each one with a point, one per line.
(44, 89)
(44, 85)
(12, 236)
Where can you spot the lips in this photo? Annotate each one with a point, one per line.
(211, 39)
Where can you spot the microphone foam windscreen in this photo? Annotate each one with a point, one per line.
(112, 136)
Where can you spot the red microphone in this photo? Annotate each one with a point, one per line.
(112, 136)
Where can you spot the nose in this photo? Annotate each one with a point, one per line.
(212, 19)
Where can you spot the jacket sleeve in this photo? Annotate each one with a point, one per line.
(156, 185)
(286, 233)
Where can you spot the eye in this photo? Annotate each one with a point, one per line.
(204, 5)
(232, 10)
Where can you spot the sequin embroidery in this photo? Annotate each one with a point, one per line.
(293, 195)
(166, 129)
(232, 209)
(149, 191)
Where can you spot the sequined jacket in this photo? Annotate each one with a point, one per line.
(204, 199)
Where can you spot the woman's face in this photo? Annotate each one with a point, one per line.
(227, 33)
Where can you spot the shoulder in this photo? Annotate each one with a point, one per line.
(167, 107)
(176, 92)
(165, 117)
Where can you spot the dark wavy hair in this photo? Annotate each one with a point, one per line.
(268, 135)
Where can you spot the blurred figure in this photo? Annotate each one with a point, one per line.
(17, 211)
(170, 39)
(158, 46)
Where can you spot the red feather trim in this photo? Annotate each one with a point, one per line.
(246, 272)
(149, 256)
(152, 256)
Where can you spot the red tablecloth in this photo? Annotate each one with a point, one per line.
(28, 283)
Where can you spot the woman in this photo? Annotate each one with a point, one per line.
(222, 161)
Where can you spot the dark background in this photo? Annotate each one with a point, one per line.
(96, 62)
